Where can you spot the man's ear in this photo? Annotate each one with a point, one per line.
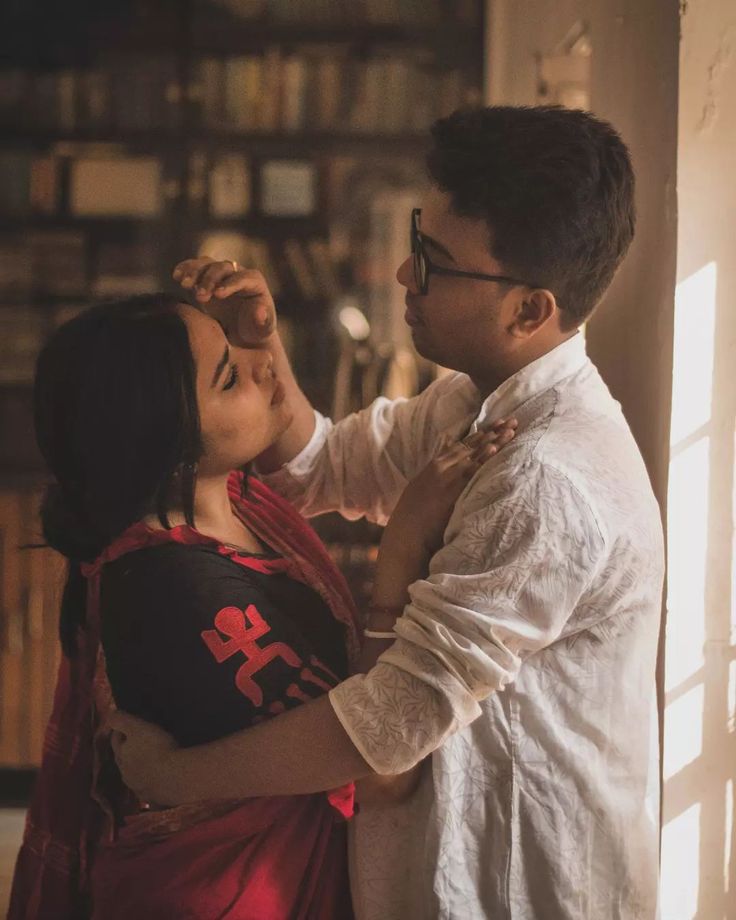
(533, 310)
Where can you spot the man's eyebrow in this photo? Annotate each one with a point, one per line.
(430, 240)
(222, 364)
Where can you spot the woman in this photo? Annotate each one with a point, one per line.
(196, 599)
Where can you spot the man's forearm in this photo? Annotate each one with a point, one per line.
(302, 751)
(297, 435)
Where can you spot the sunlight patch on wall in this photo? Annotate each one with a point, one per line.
(680, 849)
(686, 743)
(694, 346)
(687, 540)
(689, 481)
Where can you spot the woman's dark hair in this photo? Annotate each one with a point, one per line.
(117, 423)
(556, 188)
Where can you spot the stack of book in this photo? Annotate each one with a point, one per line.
(22, 333)
(29, 183)
(100, 182)
(16, 270)
(43, 263)
(132, 92)
(321, 88)
(298, 269)
(124, 269)
(58, 259)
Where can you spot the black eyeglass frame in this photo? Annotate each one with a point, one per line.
(420, 257)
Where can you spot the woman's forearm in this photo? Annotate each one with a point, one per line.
(402, 559)
(400, 563)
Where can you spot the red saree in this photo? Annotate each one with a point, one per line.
(266, 859)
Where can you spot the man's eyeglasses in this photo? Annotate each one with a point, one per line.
(424, 267)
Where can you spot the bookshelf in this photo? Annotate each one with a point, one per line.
(134, 133)
(124, 131)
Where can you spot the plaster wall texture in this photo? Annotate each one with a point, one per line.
(699, 847)
(633, 85)
(665, 340)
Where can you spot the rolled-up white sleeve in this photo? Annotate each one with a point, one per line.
(519, 556)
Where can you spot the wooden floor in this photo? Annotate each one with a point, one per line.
(11, 830)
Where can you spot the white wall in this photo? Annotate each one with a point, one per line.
(698, 846)
(673, 367)
(634, 85)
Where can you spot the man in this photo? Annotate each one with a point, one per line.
(523, 670)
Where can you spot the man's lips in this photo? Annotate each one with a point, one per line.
(411, 317)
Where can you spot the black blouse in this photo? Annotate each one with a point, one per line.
(203, 644)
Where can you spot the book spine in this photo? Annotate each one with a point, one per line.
(324, 269)
(263, 262)
(236, 101)
(253, 93)
(272, 65)
(293, 93)
(299, 266)
(66, 101)
(44, 185)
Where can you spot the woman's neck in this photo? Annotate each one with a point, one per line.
(214, 515)
(212, 509)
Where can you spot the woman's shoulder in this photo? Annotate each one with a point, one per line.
(182, 573)
(173, 558)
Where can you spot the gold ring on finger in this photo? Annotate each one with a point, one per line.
(234, 264)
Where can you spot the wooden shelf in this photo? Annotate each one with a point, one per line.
(16, 136)
(71, 222)
(238, 37)
(217, 32)
(305, 144)
(251, 224)
(279, 143)
(261, 225)
(147, 69)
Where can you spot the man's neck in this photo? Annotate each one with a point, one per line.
(487, 380)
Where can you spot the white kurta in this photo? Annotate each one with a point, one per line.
(525, 663)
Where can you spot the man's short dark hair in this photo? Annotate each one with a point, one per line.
(556, 188)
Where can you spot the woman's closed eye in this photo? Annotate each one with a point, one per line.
(232, 377)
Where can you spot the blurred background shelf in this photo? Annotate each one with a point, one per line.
(135, 133)
(278, 142)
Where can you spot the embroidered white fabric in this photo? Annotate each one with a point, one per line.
(525, 660)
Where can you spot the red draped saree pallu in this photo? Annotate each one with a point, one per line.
(269, 858)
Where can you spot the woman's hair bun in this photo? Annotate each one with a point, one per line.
(66, 529)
